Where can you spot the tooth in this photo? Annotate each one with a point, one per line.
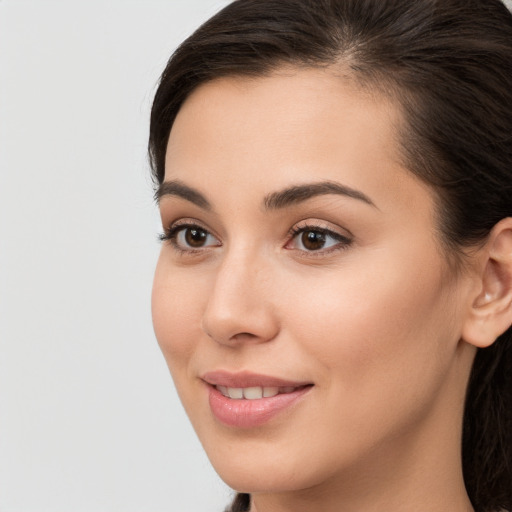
(287, 389)
(268, 392)
(253, 393)
(235, 392)
(223, 390)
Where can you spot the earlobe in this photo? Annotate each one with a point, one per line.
(491, 310)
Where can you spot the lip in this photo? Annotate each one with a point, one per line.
(241, 413)
(248, 379)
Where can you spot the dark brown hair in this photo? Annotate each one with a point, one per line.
(448, 64)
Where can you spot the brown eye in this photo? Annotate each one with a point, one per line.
(195, 237)
(313, 240)
(190, 237)
(310, 239)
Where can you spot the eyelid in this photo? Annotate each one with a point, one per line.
(186, 222)
(321, 225)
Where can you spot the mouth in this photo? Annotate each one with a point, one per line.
(248, 380)
(247, 400)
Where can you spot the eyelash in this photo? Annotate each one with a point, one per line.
(343, 242)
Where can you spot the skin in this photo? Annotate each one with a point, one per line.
(374, 321)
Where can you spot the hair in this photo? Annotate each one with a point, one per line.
(448, 65)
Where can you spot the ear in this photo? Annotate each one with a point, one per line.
(490, 312)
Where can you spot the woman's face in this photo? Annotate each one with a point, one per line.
(303, 260)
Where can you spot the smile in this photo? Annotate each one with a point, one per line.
(254, 392)
(247, 400)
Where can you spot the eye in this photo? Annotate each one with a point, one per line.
(316, 239)
(190, 237)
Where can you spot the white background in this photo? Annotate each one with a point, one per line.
(89, 420)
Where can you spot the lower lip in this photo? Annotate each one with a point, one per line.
(251, 413)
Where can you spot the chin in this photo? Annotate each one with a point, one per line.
(262, 465)
(270, 479)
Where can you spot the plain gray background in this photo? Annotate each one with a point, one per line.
(89, 420)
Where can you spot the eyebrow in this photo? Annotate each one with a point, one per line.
(274, 201)
(299, 193)
(179, 189)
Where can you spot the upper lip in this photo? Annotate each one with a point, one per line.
(248, 379)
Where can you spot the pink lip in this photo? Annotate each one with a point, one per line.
(248, 379)
(250, 413)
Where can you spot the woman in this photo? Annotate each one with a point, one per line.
(334, 291)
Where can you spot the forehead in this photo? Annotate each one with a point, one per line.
(288, 101)
(294, 125)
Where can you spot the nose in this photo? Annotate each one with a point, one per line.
(240, 309)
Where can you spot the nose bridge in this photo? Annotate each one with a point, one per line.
(239, 306)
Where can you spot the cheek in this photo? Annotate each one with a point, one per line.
(176, 305)
(376, 344)
(382, 326)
